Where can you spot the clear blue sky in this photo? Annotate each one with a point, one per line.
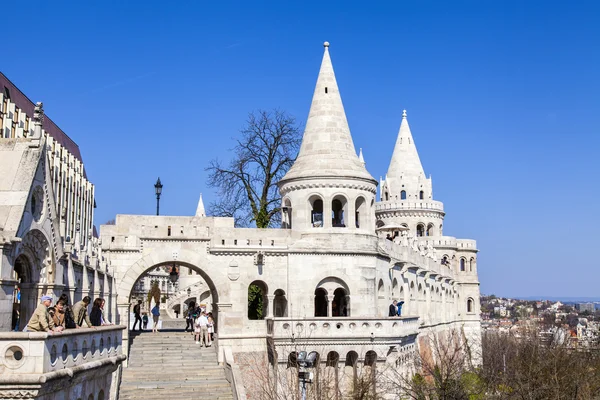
(503, 98)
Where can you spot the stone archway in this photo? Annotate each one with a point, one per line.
(213, 276)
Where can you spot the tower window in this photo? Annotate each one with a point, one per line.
(421, 195)
(403, 195)
(420, 230)
(325, 89)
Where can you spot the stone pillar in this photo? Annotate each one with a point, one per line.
(330, 298)
(85, 290)
(348, 305)
(181, 303)
(96, 291)
(122, 318)
(270, 305)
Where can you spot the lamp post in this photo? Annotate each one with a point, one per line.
(158, 189)
(173, 276)
(305, 361)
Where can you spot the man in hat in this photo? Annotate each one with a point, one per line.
(40, 320)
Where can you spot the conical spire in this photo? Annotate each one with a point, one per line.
(200, 209)
(406, 164)
(327, 149)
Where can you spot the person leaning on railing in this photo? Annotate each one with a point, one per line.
(80, 312)
(40, 320)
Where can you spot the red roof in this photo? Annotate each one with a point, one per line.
(25, 104)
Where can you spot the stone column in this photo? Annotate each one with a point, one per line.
(270, 305)
(85, 290)
(181, 303)
(122, 318)
(330, 298)
(348, 305)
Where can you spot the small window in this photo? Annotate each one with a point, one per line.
(462, 264)
(470, 305)
(6, 92)
(420, 230)
(169, 231)
(421, 195)
(387, 196)
(403, 195)
(325, 89)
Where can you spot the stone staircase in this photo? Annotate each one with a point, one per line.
(170, 365)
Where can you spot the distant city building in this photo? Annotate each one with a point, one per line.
(582, 307)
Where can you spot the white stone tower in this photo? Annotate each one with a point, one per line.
(406, 193)
(328, 188)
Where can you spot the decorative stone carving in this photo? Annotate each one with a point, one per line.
(234, 271)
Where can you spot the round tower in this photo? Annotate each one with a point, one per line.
(328, 188)
(406, 193)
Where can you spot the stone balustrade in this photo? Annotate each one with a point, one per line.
(342, 328)
(409, 205)
(39, 353)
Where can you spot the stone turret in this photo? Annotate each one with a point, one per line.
(328, 186)
(406, 193)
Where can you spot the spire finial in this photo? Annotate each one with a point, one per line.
(403, 113)
(326, 44)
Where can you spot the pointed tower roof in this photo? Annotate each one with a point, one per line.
(405, 160)
(200, 209)
(327, 149)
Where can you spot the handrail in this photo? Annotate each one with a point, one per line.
(233, 375)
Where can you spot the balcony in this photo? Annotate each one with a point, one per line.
(34, 358)
(342, 329)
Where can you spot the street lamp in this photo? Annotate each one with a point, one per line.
(158, 189)
(173, 276)
(305, 361)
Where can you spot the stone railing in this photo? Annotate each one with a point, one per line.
(233, 375)
(409, 205)
(26, 353)
(37, 364)
(342, 328)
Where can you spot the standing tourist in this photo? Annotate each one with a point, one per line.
(40, 320)
(211, 327)
(189, 318)
(58, 316)
(145, 321)
(80, 312)
(69, 318)
(137, 310)
(155, 316)
(96, 314)
(393, 309)
(105, 320)
(202, 321)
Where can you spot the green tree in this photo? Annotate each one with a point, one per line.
(255, 302)
(247, 185)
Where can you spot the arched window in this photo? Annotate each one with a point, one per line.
(380, 288)
(316, 215)
(462, 264)
(257, 306)
(421, 195)
(445, 260)
(339, 308)
(320, 302)
(292, 360)
(440, 231)
(360, 207)
(403, 195)
(338, 208)
(394, 288)
(430, 230)
(387, 196)
(333, 358)
(286, 214)
(470, 305)
(420, 230)
(471, 264)
(280, 304)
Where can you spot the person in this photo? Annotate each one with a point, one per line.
(155, 316)
(96, 313)
(15, 317)
(137, 309)
(189, 319)
(145, 321)
(202, 321)
(393, 309)
(211, 327)
(105, 320)
(69, 318)
(80, 312)
(58, 315)
(40, 320)
(197, 330)
(399, 306)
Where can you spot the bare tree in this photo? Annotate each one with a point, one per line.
(247, 185)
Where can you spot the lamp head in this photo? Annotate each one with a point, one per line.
(158, 187)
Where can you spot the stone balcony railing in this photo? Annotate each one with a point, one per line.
(392, 205)
(40, 356)
(347, 329)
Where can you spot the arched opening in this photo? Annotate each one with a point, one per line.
(320, 302)
(470, 305)
(101, 395)
(286, 214)
(387, 196)
(331, 376)
(403, 195)
(316, 214)
(350, 371)
(338, 212)
(339, 306)
(292, 361)
(20, 307)
(420, 230)
(445, 260)
(394, 289)
(257, 306)
(462, 264)
(280, 304)
(430, 230)
(370, 371)
(441, 232)
(421, 195)
(333, 358)
(360, 211)
(471, 264)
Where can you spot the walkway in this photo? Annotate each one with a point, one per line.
(170, 365)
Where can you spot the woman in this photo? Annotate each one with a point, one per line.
(155, 316)
(69, 318)
(105, 321)
(58, 316)
(96, 314)
(211, 327)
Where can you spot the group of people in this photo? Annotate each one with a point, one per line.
(396, 309)
(143, 319)
(201, 322)
(48, 318)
